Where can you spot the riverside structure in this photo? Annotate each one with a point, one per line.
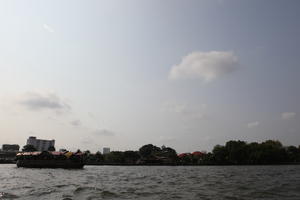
(39, 144)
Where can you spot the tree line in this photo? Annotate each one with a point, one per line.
(232, 153)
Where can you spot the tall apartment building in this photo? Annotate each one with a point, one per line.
(40, 145)
(106, 150)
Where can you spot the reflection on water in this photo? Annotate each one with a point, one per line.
(151, 182)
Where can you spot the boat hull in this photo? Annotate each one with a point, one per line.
(66, 164)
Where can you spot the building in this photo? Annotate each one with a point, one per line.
(106, 150)
(40, 145)
(10, 147)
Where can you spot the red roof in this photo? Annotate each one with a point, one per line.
(55, 153)
(183, 155)
(198, 153)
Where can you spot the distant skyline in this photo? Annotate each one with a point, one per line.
(121, 74)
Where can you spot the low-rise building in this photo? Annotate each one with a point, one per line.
(10, 147)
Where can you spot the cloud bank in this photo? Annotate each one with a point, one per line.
(288, 115)
(48, 28)
(37, 102)
(197, 112)
(253, 124)
(75, 123)
(206, 66)
(103, 132)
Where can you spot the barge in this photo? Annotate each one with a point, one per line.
(47, 159)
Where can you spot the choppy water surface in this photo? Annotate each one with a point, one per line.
(142, 182)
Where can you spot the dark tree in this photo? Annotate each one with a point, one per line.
(207, 159)
(78, 151)
(99, 157)
(29, 148)
(114, 157)
(169, 153)
(220, 155)
(237, 152)
(51, 148)
(149, 150)
(131, 157)
(293, 154)
(87, 152)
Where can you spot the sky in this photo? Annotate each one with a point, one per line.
(122, 74)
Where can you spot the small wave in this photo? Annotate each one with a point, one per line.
(146, 194)
(84, 189)
(108, 194)
(61, 186)
(93, 192)
(41, 191)
(67, 197)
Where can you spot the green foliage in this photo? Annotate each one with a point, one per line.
(29, 148)
(78, 151)
(220, 154)
(186, 159)
(237, 152)
(99, 157)
(168, 152)
(149, 150)
(116, 157)
(268, 152)
(51, 148)
(131, 157)
(232, 153)
(87, 152)
(293, 153)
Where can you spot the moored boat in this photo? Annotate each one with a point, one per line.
(47, 159)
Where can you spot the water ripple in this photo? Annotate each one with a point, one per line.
(155, 182)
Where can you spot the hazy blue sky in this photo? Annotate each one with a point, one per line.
(186, 74)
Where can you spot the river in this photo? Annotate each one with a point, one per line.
(152, 182)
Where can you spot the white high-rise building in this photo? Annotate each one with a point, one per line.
(40, 145)
(106, 150)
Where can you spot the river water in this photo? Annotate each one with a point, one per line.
(152, 182)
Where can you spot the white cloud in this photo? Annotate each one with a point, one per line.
(75, 123)
(204, 65)
(177, 108)
(166, 139)
(288, 115)
(37, 101)
(48, 28)
(103, 132)
(253, 124)
(197, 112)
(87, 141)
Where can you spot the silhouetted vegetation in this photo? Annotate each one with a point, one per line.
(29, 148)
(242, 153)
(232, 153)
(51, 148)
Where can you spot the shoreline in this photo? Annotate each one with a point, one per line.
(174, 165)
(188, 165)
